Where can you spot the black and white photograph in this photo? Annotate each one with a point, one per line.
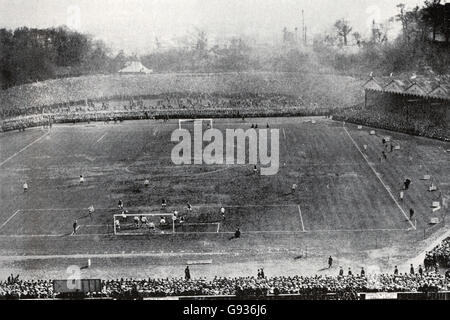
(223, 155)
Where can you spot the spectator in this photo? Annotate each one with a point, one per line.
(187, 273)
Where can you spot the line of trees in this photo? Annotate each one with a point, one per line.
(423, 44)
(28, 55)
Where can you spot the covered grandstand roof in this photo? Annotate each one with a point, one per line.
(427, 87)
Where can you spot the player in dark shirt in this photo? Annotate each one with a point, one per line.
(237, 234)
(407, 183)
(75, 227)
(411, 213)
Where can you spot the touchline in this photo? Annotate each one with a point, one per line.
(222, 151)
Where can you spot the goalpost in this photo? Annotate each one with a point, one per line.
(158, 224)
(181, 121)
(143, 223)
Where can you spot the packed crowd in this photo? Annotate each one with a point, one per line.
(164, 107)
(15, 288)
(319, 286)
(440, 255)
(432, 126)
(320, 88)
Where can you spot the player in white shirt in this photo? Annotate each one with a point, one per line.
(294, 187)
(146, 182)
(222, 211)
(91, 211)
(81, 179)
(25, 187)
(136, 221)
(117, 224)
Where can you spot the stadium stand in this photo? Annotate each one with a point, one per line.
(424, 101)
(417, 106)
(166, 106)
(394, 122)
(343, 287)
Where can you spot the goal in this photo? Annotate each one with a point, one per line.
(189, 123)
(143, 223)
(159, 223)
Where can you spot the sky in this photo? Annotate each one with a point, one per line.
(133, 25)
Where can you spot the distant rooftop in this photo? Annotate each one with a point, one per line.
(135, 67)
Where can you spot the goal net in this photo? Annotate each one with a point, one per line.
(143, 223)
(160, 223)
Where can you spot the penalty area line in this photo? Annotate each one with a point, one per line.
(285, 232)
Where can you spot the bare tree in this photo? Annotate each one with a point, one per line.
(343, 29)
(413, 25)
(201, 44)
(402, 18)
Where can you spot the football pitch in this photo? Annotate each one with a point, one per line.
(344, 185)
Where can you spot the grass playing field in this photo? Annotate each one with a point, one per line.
(345, 192)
